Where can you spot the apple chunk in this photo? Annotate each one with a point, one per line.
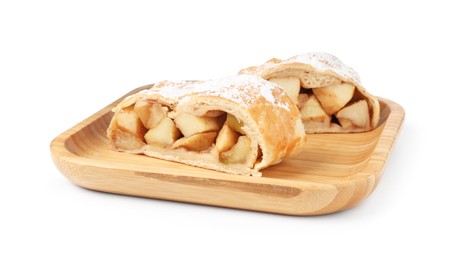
(238, 153)
(226, 138)
(165, 133)
(301, 100)
(214, 113)
(334, 98)
(128, 121)
(234, 123)
(190, 124)
(150, 113)
(196, 142)
(356, 114)
(127, 141)
(313, 112)
(291, 85)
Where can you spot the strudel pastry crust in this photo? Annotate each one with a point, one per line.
(237, 125)
(328, 93)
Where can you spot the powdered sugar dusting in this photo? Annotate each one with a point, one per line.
(323, 61)
(242, 89)
(168, 89)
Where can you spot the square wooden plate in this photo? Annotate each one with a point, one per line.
(334, 172)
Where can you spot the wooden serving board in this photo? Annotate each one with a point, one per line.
(334, 172)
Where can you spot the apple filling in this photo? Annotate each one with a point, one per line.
(216, 134)
(336, 105)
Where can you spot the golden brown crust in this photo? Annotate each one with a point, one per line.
(270, 119)
(318, 70)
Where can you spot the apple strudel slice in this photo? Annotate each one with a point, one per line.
(328, 93)
(236, 125)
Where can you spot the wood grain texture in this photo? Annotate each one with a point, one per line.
(335, 171)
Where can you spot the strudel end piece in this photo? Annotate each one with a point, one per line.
(328, 93)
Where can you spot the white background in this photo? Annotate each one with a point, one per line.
(60, 62)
